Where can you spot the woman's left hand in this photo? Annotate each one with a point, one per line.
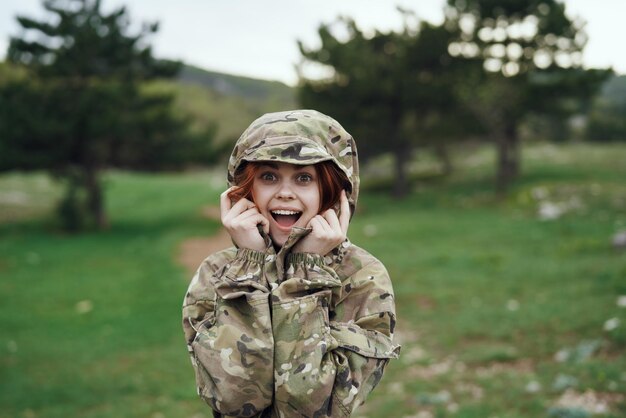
(328, 230)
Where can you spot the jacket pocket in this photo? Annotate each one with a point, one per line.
(360, 359)
(233, 353)
(356, 377)
(303, 371)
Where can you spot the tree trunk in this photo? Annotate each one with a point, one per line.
(95, 198)
(402, 154)
(508, 159)
(441, 151)
(70, 209)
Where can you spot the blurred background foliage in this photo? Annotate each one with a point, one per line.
(491, 72)
(495, 193)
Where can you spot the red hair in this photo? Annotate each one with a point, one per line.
(330, 178)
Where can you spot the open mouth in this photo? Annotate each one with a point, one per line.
(286, 218)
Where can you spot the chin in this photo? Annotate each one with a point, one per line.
(278, 239)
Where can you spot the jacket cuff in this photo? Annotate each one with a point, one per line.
(242, 276)
(307, 259)
(311, 272)
(247, 254)
(368, 343)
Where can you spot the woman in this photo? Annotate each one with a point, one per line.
(294, 320)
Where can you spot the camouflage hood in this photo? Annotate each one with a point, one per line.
(300, 137)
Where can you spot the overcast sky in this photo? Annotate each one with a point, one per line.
(258, 38)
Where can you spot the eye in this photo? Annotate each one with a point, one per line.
(304, 178)
(268, 176)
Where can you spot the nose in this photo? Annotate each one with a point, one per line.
(285, 192)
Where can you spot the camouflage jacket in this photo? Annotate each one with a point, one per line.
(284, 334)
(289, 334)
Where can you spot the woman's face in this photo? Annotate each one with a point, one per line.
(287, 195)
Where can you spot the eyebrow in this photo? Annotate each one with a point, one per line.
(270, 165)
(275, 165)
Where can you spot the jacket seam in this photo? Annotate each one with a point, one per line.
(197, 301)
(251, 255)
(341, 406)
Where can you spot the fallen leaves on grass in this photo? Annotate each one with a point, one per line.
(421, 414)
(523, 366)
(413, 354)
(619, 240)
(431, 370)
(583, 351)
(590, 401)
(84, 306)
(564, 381)
(533, 387)
(611, 324)
(475, 391)
(512, 305)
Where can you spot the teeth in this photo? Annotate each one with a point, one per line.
(284, 212)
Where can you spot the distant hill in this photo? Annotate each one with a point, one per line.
(224, 103)
(229, 102)
(231, 85)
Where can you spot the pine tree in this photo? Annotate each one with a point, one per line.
(83, 107)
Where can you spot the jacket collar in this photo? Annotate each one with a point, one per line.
(336, 256)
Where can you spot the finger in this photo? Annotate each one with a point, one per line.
(331, 217)
(320, 225)
(259, 219)
(225, 203)
(344, 216)
(241, 222)
(251, 218)
(265, 222)
(241, 206)
(246, 214)
(245, 220)
(266, 225)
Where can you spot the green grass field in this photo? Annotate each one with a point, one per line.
(500, 313)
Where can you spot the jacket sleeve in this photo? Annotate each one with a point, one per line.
(227, 325)
(328, 360)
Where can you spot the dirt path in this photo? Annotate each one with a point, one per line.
(193, 250)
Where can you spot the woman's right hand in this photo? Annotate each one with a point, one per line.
(241, 221)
